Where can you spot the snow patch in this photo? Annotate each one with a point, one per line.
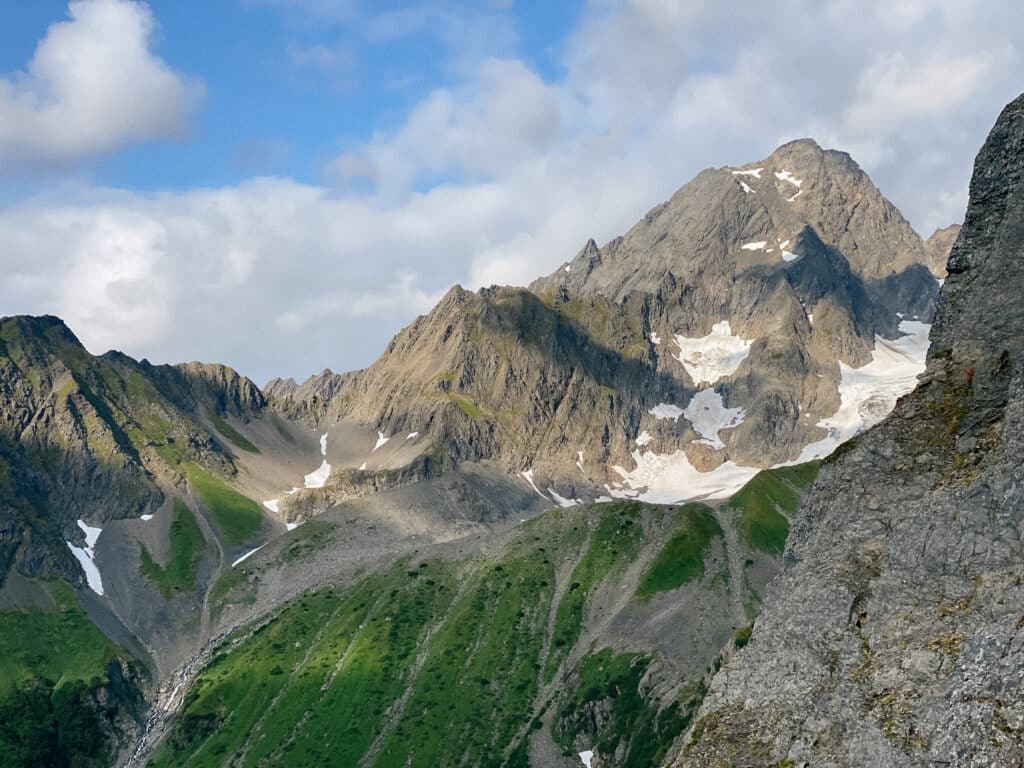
(567, 267)
(708, 415)
(272, 506)
(562, 501)
(655, 338)
(758, 246)
(869, 393)
(644, 438)
(87, 556)
(747, 188)
(412, 435)
(323, 444)
(579, 461)
(785, 175)
(528, 474)
(666, 411)
(784, 243)
(381, 439)
(248, 554)
(710, 358)
(788, 256)
(292, 526)
(147, 518)
(588, 754)
(755, 172)
(362, 467)
(672, 478)
(318, 477)
(794, 197)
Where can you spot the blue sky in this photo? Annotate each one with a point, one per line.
(288, 88)
(282, 185)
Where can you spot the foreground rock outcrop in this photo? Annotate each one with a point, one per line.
(895, 635)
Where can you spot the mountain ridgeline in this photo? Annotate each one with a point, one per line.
(531, 533)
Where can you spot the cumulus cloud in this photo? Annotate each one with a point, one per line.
(270, 276)
(502, 174)
(92, 86)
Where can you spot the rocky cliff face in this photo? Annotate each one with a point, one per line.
(96, 438)
(710, 340)
(894, 635)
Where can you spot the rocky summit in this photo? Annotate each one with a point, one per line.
(539, 529)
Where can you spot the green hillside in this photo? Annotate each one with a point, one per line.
(445, 662)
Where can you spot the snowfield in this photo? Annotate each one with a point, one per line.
(666, 411)
(672, 478)
(868, 394)
(247, 555)
(562, 501)
(87, 556)
(528, 474)
(785, 175)
(708, 415)
(715, 356)
(318, 477)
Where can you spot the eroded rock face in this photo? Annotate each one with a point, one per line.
(95, 438)
(894, 635)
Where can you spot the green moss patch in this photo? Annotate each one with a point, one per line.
(238, 516)
(186, 546)
(468, 407)
(681, 560)
(764, 504)
(62, 646)
(237, 438)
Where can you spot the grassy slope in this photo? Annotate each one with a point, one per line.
(764, 504)
(232, 434)
(477, 630)
(238, 516)
(632, 725)
(682, 558)
(53, 664)
(187, 546)
(62, 646)
(441, 664)
(614, 544)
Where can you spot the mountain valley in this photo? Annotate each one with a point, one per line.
(538, 530)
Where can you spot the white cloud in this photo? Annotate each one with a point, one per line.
(507, 114)
(92, 86)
